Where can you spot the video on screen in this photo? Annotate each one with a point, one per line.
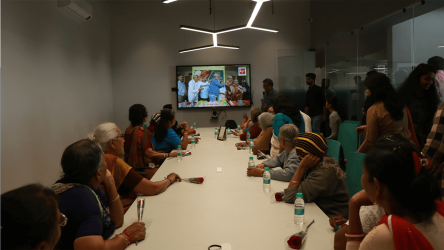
(213, 86)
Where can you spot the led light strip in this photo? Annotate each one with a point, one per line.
(217, 32)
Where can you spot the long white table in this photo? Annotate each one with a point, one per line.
(229, 207)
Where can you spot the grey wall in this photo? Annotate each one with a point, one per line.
(146, 39)
(56, 86)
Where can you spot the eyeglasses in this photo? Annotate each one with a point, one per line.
(63, 220)
(119, 136)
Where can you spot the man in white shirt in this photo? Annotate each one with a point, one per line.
(204, 87)
(193, 89)
(182, 89)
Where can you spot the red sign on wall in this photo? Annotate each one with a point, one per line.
(242, 71)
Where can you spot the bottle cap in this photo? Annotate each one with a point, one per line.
(215, 128)
(251, 157)
(192, 136)
(267, 169)
(299, 195)
(145, 126)
(251, 139)
(180, 146)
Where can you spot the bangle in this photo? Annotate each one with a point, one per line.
(118, 196)
(127, 234)
(124, 239)
(168, 179)
(354, 235)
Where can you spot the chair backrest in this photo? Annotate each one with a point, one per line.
(354, 172)
(334, 149)
(354, 122)
(348, 137)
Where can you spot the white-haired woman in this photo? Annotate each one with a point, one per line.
(288, 160)
(128, 182)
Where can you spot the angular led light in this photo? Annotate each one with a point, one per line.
(264, 29)
(227, 46)
(169, 1)
(184, 27)
(197, 48)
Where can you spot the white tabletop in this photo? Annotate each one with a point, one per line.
(228, 207)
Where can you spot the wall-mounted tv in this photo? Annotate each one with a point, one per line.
(213, 86)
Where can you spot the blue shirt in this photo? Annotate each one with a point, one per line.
(215, 85)
(281, 119)
(204, 92)
(172, 140)
(182, 88)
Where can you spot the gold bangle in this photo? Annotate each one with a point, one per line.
(124, 239)
(118, 196)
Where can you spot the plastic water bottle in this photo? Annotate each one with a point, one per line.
(179, 153)
(193, 141)
(251, 162)
(195, 126)
(228, 133)
(238, 128)
(251, 146)
(248, 137)
(299, 209)
(215, 133)
(267, 180)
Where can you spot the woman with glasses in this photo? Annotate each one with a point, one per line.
(128, 182)
(31, 218)
(93, 214)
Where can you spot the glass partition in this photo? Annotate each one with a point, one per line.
(393, 45)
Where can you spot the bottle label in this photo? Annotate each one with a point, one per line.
(299, 211)
(266, 181)
(179, 154)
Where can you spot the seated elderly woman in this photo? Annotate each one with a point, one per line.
(255, 129)
(165, 138)
(128, 182)
(262, 142)
(324, 182)
(31, 218)
(92, 215)
(288, 160)
(286, 113)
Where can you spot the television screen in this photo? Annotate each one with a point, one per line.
(213, 86)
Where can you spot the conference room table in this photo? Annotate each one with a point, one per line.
(228, 207)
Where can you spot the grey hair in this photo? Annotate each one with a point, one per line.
(289, 132)
(266, 120)
(331, 164)
(255, 112)
(103, 134)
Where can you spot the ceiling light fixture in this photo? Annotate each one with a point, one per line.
(217, 32)
(440, 46)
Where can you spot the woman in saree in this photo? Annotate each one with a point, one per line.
(127, 181)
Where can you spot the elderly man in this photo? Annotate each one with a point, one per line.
(182, 89)
(215, 86)
(193, 89)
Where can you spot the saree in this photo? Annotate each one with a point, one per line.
(274, 150)
(136, 144)
(405, 235)
(119, 169)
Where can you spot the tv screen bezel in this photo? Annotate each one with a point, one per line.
(229, 107)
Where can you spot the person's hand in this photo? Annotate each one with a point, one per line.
(137, 231)
(309, 161)
(173, 177)
(241, 144)
(173, 154)
(337, 220)
(200, 89)
(363, 112)
(245, 116)
(361, 129)
(108, 174)
(255, 172)
(324, 118)
(261, 166)
(184, 125)
(265, 107)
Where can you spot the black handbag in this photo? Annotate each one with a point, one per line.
(230, 124)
